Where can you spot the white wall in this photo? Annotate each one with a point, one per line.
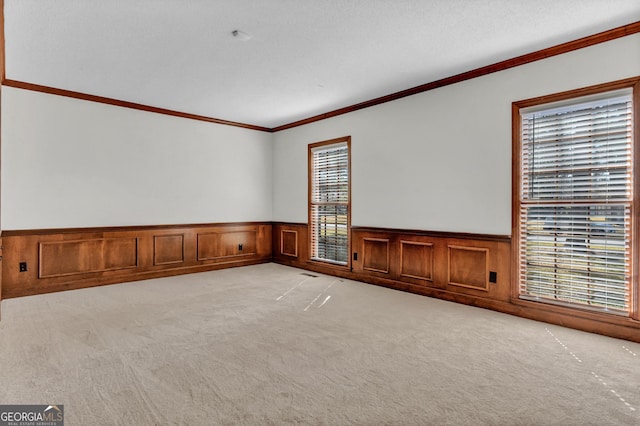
(440, 160)
(73, 163)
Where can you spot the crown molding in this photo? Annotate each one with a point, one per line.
(125, 104)
(559, 49)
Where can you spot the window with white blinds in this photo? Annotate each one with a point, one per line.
(329, 201)
(576, 202)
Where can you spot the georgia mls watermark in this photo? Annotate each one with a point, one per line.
(31, 415)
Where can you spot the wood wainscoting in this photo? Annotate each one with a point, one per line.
(472, 269)
(460, 267)
(63, 259)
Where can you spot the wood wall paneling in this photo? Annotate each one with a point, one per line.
(62, 258)
(289, 242)
(468, 267)
(416, 260)
(168, 249)
(375, 254)
(419, 261)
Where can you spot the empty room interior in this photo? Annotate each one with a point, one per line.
(321, 212)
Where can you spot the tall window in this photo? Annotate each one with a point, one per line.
(329, 200)
(575, 199)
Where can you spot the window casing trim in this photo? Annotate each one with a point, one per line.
(313, 147)
(560, 99)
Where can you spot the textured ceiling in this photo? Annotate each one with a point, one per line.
(305, 57)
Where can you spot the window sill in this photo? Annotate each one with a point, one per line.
(329, 264)
(577, 312)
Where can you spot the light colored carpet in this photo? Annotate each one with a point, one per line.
(267, 344)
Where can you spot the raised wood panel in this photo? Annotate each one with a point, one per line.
(209, 246)
(284, 243)
(168, 249)
(375, 254)
(468, 267)
(416, 260)
(216, 245)
(289, 242)
(64, 258)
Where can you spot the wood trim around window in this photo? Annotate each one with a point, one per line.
(2, 74)
(634, 291)
(635, 212)
(347, 140)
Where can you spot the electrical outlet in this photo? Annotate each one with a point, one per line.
(355, 256)
(493, 277)
(23, 266)
(240, 247)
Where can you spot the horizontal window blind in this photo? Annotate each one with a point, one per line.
(330, 202)
(575, 203)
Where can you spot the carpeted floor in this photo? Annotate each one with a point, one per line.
(268, 344)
